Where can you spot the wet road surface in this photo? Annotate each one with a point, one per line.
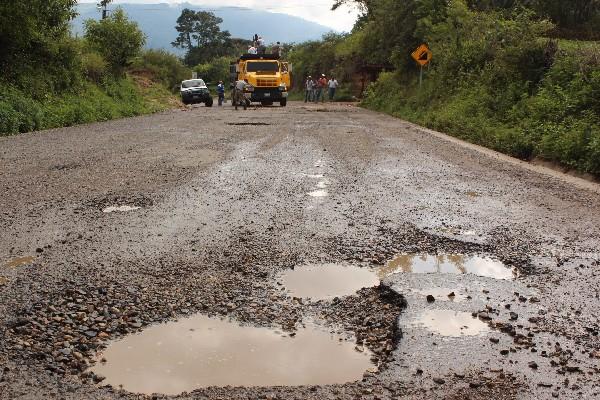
(109, 230)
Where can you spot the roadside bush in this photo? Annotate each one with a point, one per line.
(94, 66)
(215, 71)
(116, 38)
(165, 67)
(9, 119)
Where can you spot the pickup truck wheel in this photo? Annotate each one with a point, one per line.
(283, 103)
(209, 102)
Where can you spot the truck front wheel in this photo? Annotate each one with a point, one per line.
(283, 103)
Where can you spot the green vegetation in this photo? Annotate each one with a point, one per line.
(499, 76)
(203, 39)
(49, 79)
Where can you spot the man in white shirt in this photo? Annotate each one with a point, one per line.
(252, 50)
(333, 85)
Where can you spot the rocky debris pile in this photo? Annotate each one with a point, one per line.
(372, 314)
(390, 242)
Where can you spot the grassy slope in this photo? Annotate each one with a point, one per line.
(131, 96)
(558, 122)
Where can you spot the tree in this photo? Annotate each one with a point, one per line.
(116, 38)
(201, 36)
(31, 31)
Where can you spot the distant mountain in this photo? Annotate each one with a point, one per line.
(158, 23)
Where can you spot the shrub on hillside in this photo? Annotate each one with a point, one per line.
(165, 67)
(116, 38)
(95, 66)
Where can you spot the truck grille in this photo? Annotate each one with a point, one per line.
(266, 82)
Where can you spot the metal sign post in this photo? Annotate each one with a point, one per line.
(422, 55)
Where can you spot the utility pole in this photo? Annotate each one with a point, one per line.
(103, 6)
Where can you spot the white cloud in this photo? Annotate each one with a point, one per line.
(318, 11)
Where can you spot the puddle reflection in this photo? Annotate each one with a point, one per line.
(447, 264)
(200, 352)
(327, 280)
(451, 323)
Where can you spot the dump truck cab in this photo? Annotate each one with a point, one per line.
(268, 79)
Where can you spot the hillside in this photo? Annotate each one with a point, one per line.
(158, 22)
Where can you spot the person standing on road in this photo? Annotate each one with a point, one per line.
(321, 85)
(333, 85)
(308, 87)
(221, 92)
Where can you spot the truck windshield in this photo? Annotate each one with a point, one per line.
(193, 83)
(262, 66)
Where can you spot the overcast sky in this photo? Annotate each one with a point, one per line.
(314, 10)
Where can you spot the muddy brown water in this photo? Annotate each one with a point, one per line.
(20, 261)
(451, 323)
(199, 352)
(324, 281)
(447, 264)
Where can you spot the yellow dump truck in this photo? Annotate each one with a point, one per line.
(268, 79)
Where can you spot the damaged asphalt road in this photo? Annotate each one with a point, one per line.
(107, 229)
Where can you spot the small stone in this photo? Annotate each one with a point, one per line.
(514, 316)
(451, 294)
(532, 364)
(90, 334)
(494, 340)
(484, 316)
(439, 381)
(504, 352)
(430, 298)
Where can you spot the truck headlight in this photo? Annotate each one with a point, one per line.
(282, 87)
(249, 88)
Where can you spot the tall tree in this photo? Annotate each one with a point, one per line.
(201, 36)
(30, 31)
(116, 38)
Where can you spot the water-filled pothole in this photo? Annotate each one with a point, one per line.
(326, 281)
(451, 323)
(112, 209)
(199, 352)
(319, 193)
(20, 261)
(448, 264)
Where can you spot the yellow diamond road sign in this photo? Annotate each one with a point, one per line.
(422, 55)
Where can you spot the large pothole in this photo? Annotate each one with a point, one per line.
(200, 352)
(325, 281)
